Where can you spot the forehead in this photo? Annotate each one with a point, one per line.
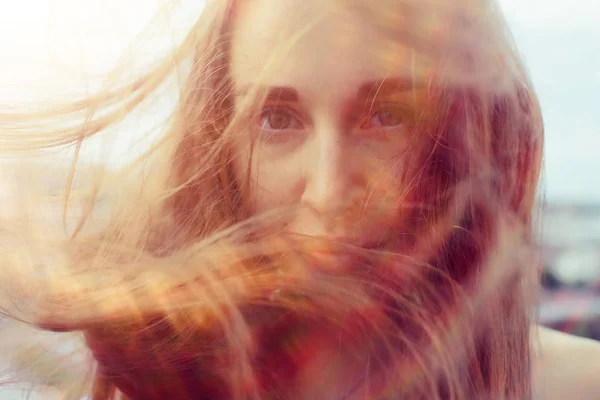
(311, 45)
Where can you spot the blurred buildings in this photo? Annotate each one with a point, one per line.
(571, 275)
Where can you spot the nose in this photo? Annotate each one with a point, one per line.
(333, 182)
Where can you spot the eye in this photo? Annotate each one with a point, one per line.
(279, 119)
(387, 116)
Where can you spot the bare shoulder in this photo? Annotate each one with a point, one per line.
(565, 366)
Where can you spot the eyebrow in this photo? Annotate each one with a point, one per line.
(275, 93)
(370, 89)
(283, 93)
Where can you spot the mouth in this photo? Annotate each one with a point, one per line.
(345, 253)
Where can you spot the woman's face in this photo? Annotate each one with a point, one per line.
(335, 124)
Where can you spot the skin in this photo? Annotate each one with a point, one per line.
(565, 366)
(332, 149)
(306, 136)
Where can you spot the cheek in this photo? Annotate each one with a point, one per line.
(272, 182)
(385, 192)
(382, 165)
(273, 187)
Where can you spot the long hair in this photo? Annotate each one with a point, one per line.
(180, 293)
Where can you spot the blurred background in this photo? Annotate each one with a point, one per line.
(560, 43)
(57, 49)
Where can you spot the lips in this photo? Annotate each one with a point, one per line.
(343, 253)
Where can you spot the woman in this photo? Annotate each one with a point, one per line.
(341, 209)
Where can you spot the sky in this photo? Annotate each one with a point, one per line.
(46, 43)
